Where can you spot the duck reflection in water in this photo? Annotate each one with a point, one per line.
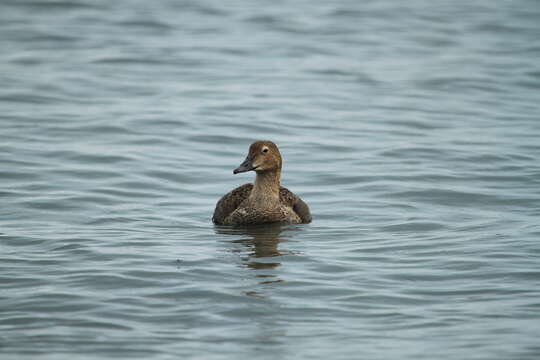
(260, 249)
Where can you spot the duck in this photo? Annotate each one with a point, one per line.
(264, 201)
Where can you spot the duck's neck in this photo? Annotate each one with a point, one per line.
(266, 186)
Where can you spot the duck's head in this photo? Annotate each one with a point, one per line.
(263, 156)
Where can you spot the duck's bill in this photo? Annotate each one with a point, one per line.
(244, 167)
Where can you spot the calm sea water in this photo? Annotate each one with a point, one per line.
(412, 129)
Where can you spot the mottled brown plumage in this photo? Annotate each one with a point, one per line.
(265, 201)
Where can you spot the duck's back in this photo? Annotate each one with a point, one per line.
(230, 209)
(230, 202)
(299, 207)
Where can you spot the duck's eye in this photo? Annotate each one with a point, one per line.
(265, 150)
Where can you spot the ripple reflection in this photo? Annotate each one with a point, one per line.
(259, 250)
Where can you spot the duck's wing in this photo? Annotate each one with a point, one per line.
(297, 204)
(229, 202)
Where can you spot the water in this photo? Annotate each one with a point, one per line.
(410, 128)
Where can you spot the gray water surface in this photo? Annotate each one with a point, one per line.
(412, 129)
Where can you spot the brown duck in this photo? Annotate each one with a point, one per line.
(265, 201)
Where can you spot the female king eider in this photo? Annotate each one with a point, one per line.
(265, 201)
